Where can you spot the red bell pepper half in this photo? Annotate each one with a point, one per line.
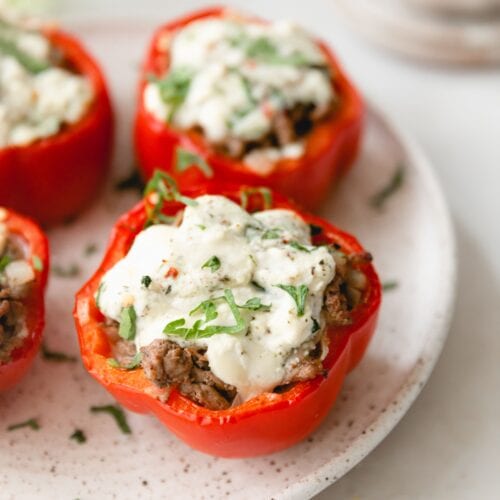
(35, 246)
(264, 424)
(54, 178)
(331, 146)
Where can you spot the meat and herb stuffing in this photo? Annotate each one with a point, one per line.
(254, 90)
(16, 278)
(39, 91)
(224, 305)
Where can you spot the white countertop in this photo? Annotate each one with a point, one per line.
(448, 445)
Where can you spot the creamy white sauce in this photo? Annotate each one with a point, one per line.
(255, 359)
(36, 105)
(236, 85)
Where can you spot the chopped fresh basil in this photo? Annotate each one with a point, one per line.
(165, 189)
(185, 159)
(146, 281)
(29, 62)
(265, 193)
(127, 323)
(79, 436)
(213, 264)
(174, 88)
(58, 357)
(389, 285)
(258, 285)
(66, 272)
(32, 423)
(301, 248)
(395, 182)
(271, 234)
(255, 304)
(4, 262)
(37, 263)
(208, 307)
(117, 413)
(298, 294)
(135, 362)
(177, 327)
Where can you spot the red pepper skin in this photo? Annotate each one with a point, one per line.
(266, 423)
(35, 243)
(54, 178)
(331, 147)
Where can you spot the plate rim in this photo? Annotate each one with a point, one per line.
(382, 426)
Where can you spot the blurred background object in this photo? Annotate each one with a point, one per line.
(453, 31)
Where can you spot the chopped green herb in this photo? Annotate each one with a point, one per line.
(58, 357)
(66, 272)
(146, 281)
(202, 226)
(315, 230)
(29, 63)
(174, 88)
(4, 262)
(195, 332)
(185, 159)
(255, 304)
(265, 194)
(213, 264)
(208, 307)
(32, 423)
(37, 263)
(133, 181)
(396, 181)
(98, 294)
(263, 50)
(79, 436)
(127, 323)
(117, 413)
(90, 249)
(301, 248)
(389, 285)
(316, 326)
(271, 234)
(135, 362)
(298, 294)
(165, 188)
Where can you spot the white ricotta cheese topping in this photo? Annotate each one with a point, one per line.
(35, 104)
(231, 77)
(250, 255)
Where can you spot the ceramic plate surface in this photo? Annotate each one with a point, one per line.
(412, 243)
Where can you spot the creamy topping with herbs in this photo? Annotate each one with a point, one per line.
(232, 78)
(36, 97)
(249, 287)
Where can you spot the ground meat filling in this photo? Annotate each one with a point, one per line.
(11, 310)
(288, 126)
(167, 364)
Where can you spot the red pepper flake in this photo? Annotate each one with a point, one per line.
(172, 273)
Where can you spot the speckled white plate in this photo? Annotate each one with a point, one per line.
(412, 242)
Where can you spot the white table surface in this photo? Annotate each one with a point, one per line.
(448, 445)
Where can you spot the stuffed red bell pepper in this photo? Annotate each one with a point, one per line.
(24, 263)
(262, 103)
(55, 123)
(229, 314)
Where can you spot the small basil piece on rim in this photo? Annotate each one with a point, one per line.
(213, 264)
(185, 159)
(395, 182)
(135, 362)
(56, 356)
(389, 285)
(117, 413)
(37, 263)
(298, 294)
(32, 423)
(79, 436)
(128, 318)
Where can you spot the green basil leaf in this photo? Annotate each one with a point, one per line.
(127, 328)
(213, 264)
(117, 413)
(298, 294)
(4, 262)
(185, 159)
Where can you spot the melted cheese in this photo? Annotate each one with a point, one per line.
(255, 256)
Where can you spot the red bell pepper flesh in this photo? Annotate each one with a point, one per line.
(35, 245)
(54, 178)
(265, 424)
(331, 147)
